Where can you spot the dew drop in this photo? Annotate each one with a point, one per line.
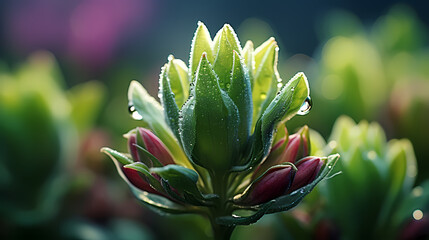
(170, 57)
(292, 89)
(305, 107)
(279, 85)
(133, 112)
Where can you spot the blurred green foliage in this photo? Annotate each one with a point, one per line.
(371, 193)
(374, 179)
(378, 73)
(40, 128)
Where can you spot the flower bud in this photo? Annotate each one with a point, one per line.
(287, 150)
(138, 181)
(308, 169)
(143, 138)
(209, 122)
(274, 183)
(297, 147)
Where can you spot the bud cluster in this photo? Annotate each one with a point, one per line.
(210, 146)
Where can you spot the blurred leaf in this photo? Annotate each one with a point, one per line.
(86, 100)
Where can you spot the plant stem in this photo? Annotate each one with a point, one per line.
(220, 232)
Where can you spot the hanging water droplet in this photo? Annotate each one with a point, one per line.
(133, 112)
(305, 107)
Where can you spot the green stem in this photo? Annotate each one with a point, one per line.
(221, 232)
(222, 207)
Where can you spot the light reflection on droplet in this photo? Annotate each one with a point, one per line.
(133, 112)
(305, 107)
(279, 85)
(417, 214)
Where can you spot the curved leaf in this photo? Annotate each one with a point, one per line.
(153, 116)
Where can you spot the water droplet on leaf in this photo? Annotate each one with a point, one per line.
(133, 112)
(305, 107)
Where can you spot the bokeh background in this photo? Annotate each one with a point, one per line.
(65, 67)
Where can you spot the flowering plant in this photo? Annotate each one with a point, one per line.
(208, 147)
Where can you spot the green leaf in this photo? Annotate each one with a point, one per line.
(153, 115)
(209, 123)
(168, 101)
(240, 93)
(184, 181)
(177, 74)
(200, 43)
(401, 176)
(180, 178)
(317, 143)
(265, 71)
(144, 170)
(224, 60)
(376, 138)
(120, 157)
(86, 100)
(249, 59)
(402, 167)
(341, 132)
(231, 37)
(285, 105)
(244, 220)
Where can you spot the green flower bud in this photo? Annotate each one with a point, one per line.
(209, 122)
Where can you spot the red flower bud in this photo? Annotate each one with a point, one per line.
(138, 181)
(308, 168)
(152, 144)
(297, 146)
(274, 183)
